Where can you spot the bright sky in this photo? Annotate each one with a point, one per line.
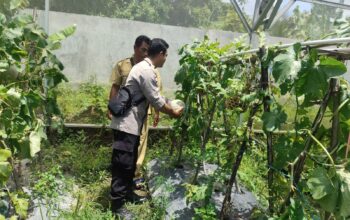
(304, 6)
(249, 7)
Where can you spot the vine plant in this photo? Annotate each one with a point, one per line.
(308, 166)
(29, 74)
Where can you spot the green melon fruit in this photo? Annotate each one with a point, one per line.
(10, 75)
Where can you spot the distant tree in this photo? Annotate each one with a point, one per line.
(322, 20)
(90, 7)
(229, 20)
(307, 25)
(190, 13)
(154, 11)
(292, 27)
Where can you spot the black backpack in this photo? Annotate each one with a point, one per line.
(122, 102)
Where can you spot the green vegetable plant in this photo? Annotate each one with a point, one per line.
(49, 186)
(30, 72)
(227, 95)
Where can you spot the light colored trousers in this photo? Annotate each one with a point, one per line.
(142, 149)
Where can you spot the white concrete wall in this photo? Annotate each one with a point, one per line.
(99, 42)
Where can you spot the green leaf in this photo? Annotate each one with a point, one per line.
(324, 189)
(319, 183)
(15, 4)
(286, 66)
(54, 77)
(2, 18)
(4, 155)
(344, 209)
(4, 65)
(249, 98)
(3, 133)
(35, 138)
(331, 67)
(21, 206)
(35, 142)
(54, 60)
(5, 172)
(13, 33)
(296, 50)
(23, 19)
(36, 35)
(55, 39)
(286, 150)
(311, 83)
(296, 210)
(13, 97)
(34, 99)
(273, 120)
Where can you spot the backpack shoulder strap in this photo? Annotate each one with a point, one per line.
(133, 102)
(136, 103)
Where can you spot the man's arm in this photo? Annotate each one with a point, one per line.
(148, 85)
(170, 111)
(116, 82)
(114, 91)
(156, 116)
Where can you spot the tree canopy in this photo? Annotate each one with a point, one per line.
(206, 14)
(213, 14)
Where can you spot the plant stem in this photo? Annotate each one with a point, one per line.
(237, 163)
(323, 148)
(299, 163)
(335, 119)
(266, 101)
(204, 140)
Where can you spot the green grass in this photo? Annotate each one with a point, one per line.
(85, 104)
(85, 168)
(252, 174)
(79, 158)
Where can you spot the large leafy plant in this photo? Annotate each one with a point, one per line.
(308, 166)
(314, 148)
(29, 74)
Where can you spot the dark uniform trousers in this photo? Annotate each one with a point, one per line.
(124, 159)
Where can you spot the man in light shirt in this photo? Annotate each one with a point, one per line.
(142, 82)
(118, 77)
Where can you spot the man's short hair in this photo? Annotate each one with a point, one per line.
(140, 39)
(157, 46)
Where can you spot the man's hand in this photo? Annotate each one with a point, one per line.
(109, 115)
(156, 119)
(177, 113)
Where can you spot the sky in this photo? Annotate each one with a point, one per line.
(249, 6)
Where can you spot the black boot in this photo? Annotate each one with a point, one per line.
(116, 205)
